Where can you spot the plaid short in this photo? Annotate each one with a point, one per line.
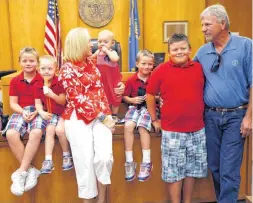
(52, 121)
(17, 122)
(140, 117)
(183, 155)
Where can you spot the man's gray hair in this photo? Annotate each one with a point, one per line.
(219, 11)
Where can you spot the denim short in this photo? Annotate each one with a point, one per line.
(18, 123)
(140, 117)
(183, 155)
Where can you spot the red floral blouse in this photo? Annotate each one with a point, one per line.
(84, 91)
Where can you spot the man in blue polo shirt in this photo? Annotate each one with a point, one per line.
(227, 65)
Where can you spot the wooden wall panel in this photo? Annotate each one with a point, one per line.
(5, 45)
(69, 16)
(23, 23)
(157, 11)
(240, 14)
(25, 26)
(27, 23)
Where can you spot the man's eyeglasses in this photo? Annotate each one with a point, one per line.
(216, 64)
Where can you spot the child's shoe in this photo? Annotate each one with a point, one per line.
(32, 178)
(145, 171)
(130, 171)
(18, 185)
(15, 174)
(47, 167)
(67, 163)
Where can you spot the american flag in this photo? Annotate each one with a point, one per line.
(52, 42)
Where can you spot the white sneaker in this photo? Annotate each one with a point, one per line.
(18, 185)
(32, 178)
(14, 175)
(130, 171)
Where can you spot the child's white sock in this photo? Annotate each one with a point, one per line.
(129, 156)
(146, 156)
(66, 153)
(49, 157)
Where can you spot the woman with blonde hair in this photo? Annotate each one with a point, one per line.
(88, 120)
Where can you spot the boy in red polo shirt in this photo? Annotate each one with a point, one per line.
(50, 101)
(24, 119)
(180, 83)
(138, 117)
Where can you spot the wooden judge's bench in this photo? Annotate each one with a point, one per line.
(60, 187)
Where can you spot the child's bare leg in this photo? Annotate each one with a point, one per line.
(101, 193)
(60, 132)
(175, 191)
(145, 144)
(145, 138)
(15, 144)
(188, 186)
(31, 148)
(129, 135)
(49, 141)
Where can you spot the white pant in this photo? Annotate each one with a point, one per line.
(91, 147)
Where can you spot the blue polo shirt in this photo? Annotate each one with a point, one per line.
(229, 86)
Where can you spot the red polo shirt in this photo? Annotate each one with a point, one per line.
(57, 88)
(23, 90)
(181, 89)
(132, 85)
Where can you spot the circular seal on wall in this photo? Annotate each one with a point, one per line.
(96, 13)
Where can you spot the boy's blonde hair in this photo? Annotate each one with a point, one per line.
(48, 58)
(28, 50)
(109, 33)
(144, 52)
(76, 44)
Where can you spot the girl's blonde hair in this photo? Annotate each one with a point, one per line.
(76, 44)
(28, 50)
(48, 58)
(108, 33)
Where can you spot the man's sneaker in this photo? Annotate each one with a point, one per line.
(130, 171)
(18, 185)
(47, 167)
(145, 171)
(67, 163)
(32, 178)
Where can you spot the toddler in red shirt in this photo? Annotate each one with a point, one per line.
(107, 63)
